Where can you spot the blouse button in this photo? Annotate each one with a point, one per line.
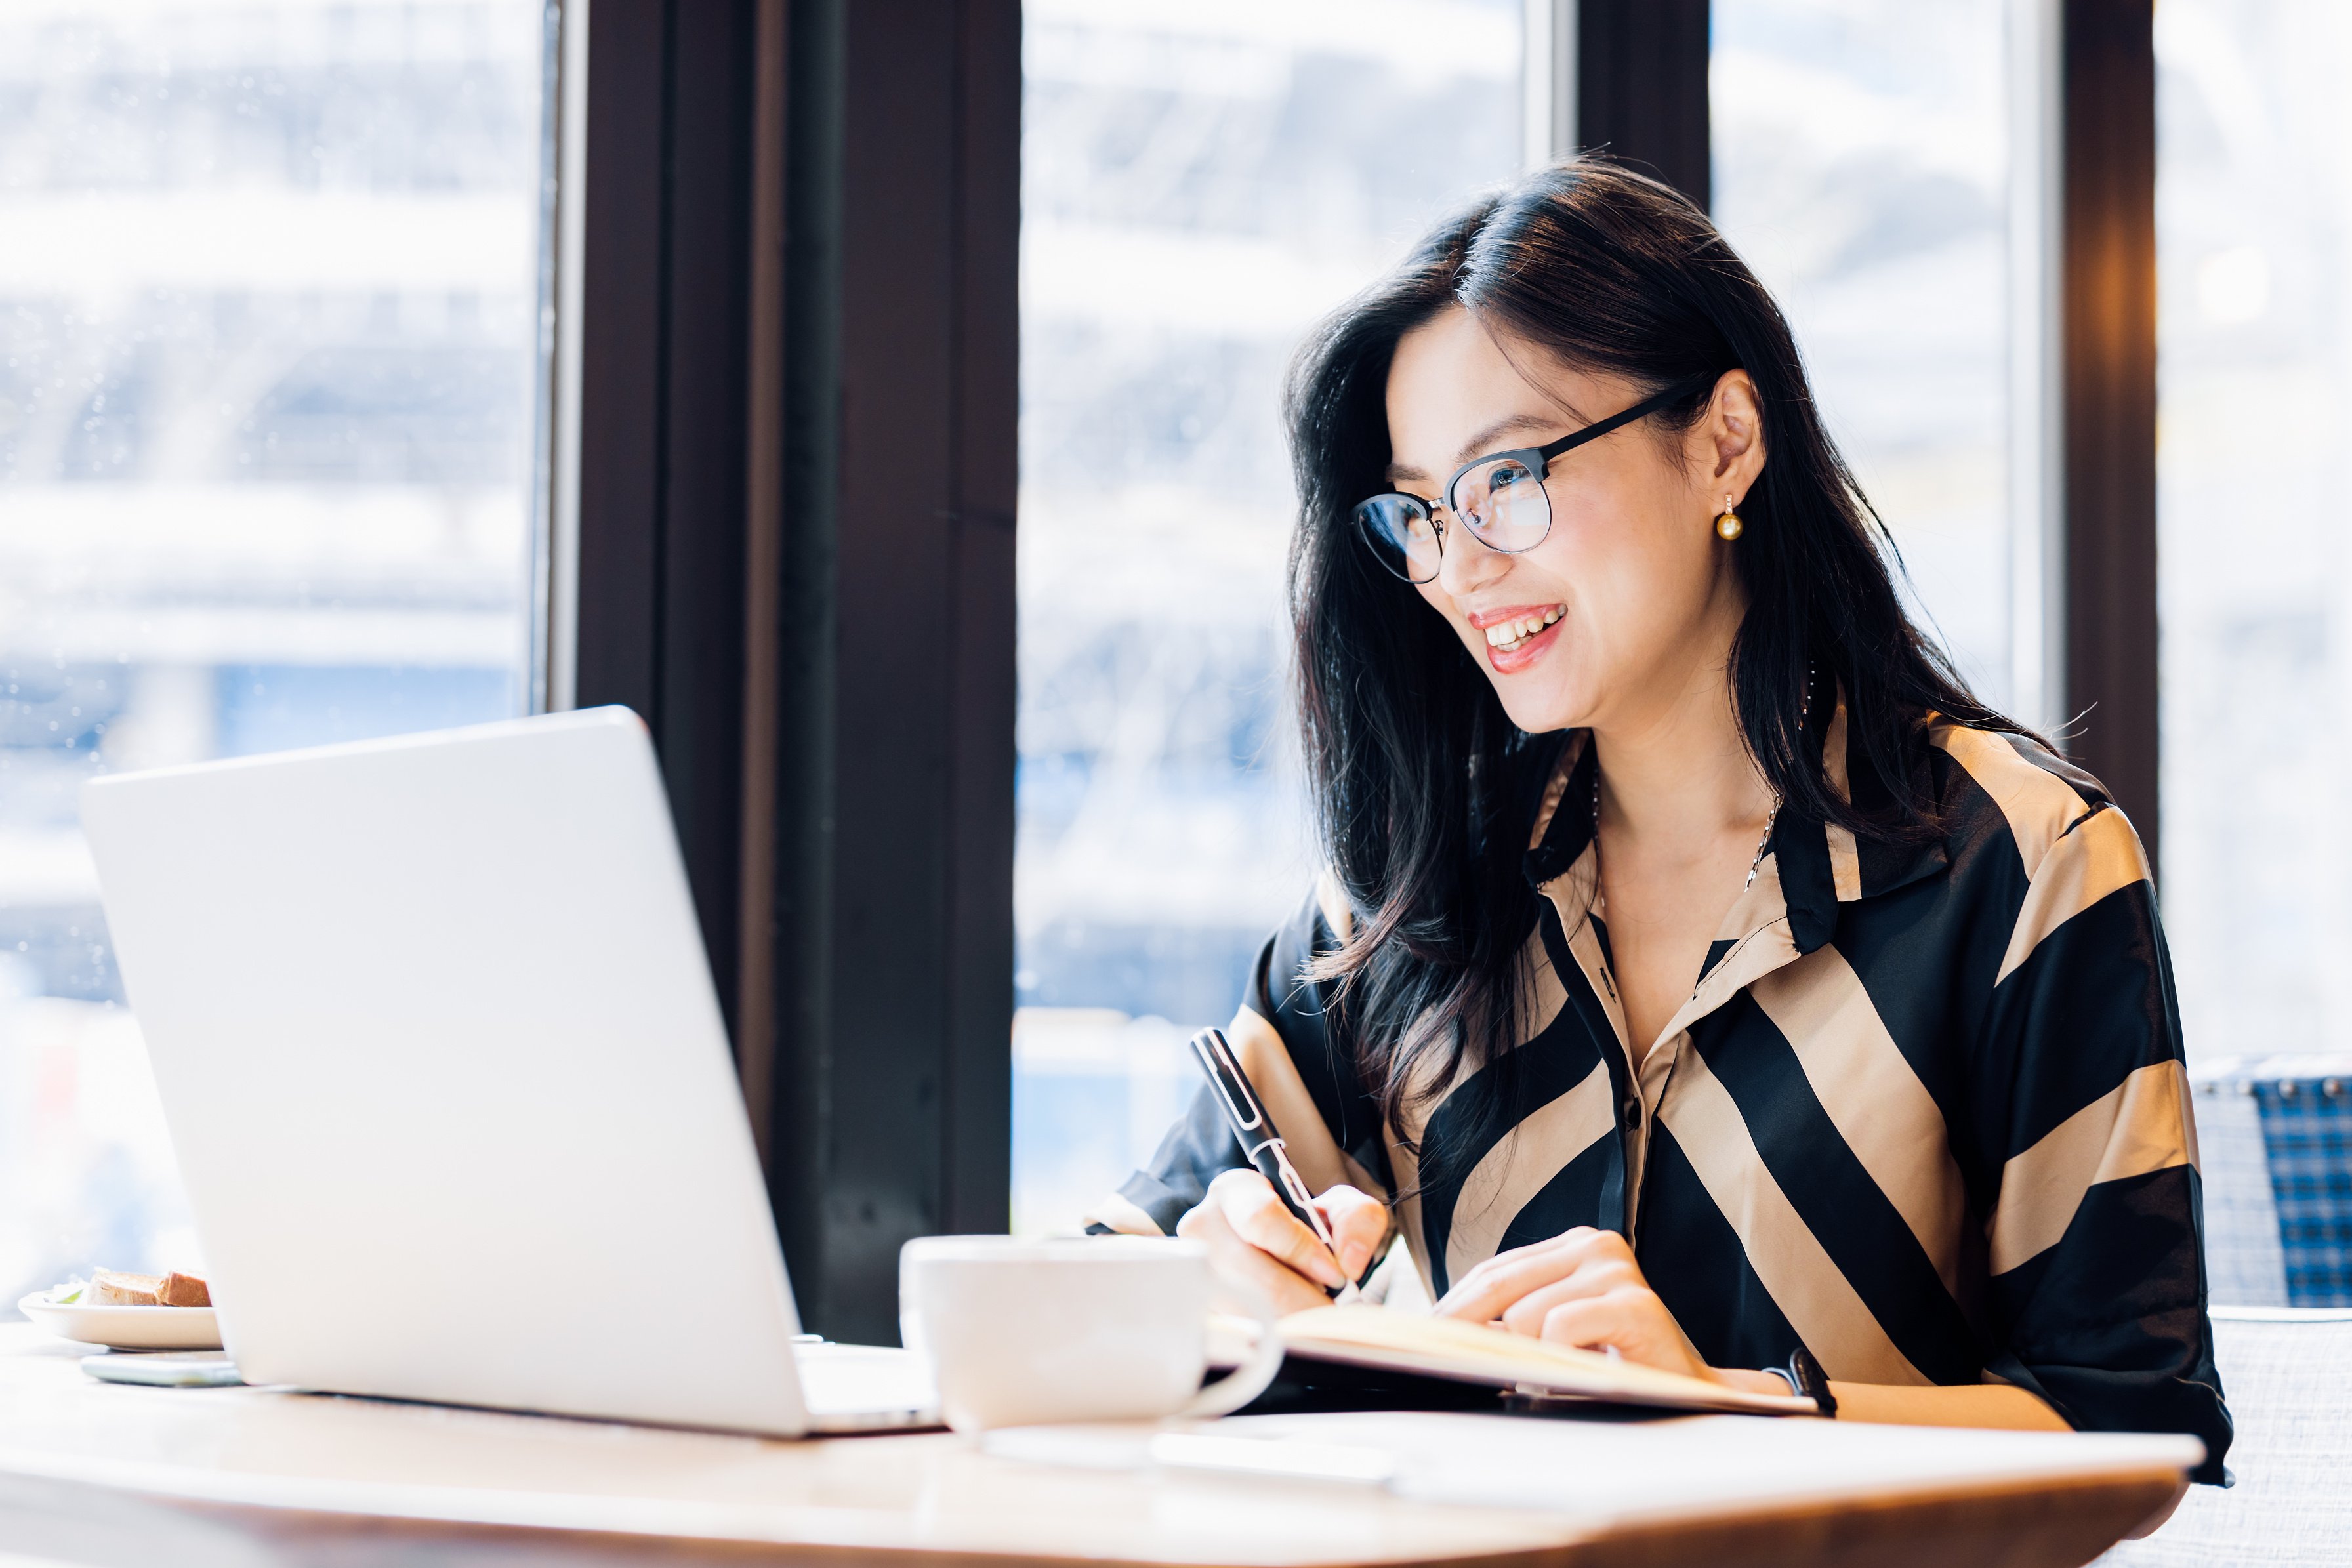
(1632, 1115)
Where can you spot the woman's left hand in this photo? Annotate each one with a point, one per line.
(1582, 1288)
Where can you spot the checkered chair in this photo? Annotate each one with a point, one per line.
(2275, 1145)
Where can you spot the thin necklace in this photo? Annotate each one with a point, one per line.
(1771, 815)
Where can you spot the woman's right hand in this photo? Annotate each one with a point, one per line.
(1252, 1237)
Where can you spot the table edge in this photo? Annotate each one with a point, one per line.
(274, 1504)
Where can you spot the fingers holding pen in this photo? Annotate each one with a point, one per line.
(1234, 1260)
(1359, 1221)
(1246, 1204)
(1260, 1217)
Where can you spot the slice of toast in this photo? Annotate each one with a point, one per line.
(184, 1290)
(108, 1289)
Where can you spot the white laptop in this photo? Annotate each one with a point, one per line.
(446, 1078)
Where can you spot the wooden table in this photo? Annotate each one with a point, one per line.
(101, 1473)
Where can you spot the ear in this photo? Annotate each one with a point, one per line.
(1726, 445)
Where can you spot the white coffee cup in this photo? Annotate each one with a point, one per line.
(1097, 1328)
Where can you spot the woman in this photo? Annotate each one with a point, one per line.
(1703, 972)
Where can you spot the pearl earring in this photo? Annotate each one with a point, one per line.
(1728, 525)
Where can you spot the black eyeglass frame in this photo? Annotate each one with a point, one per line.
(1536, 460)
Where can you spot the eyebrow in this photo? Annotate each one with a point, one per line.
(1480, 444)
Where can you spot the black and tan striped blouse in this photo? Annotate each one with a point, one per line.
(1924, 1113)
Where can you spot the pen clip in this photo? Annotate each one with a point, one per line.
(1225, 1073)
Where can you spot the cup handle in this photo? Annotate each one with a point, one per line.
(1250, 1379)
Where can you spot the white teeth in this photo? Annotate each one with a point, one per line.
(1509, 634)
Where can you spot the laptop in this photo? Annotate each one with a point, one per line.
(443, 1064)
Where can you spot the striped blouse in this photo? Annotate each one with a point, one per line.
(1924, 1113)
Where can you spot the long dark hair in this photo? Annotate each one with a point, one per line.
(1419, 778)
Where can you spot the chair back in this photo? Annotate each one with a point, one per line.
(2275, 1155)
(2288, 1376)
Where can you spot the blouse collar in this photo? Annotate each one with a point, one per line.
(1817, 865)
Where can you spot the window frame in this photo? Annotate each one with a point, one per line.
(785, 285)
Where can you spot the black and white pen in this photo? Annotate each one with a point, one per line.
(1254, 1130)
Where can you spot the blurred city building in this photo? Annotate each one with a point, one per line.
(2253, 193)
(1862, 167)
(270, 315)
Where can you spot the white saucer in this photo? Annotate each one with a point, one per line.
(127, 1328)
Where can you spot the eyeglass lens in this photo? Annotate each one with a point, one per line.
(1503, 502)
(1402, 533)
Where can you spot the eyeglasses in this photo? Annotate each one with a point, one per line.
(1500, 497)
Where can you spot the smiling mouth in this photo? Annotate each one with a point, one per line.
(1508, 637)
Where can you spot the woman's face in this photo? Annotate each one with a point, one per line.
(1630, 595)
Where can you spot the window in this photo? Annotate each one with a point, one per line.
(1201, 181)
(270, 355)
(1862, 169)
(2255, 583)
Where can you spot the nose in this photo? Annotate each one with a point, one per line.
(1468, 562)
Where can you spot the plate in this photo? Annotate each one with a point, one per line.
(127, 1328)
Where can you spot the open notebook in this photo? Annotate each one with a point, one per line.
(1474, 1352)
